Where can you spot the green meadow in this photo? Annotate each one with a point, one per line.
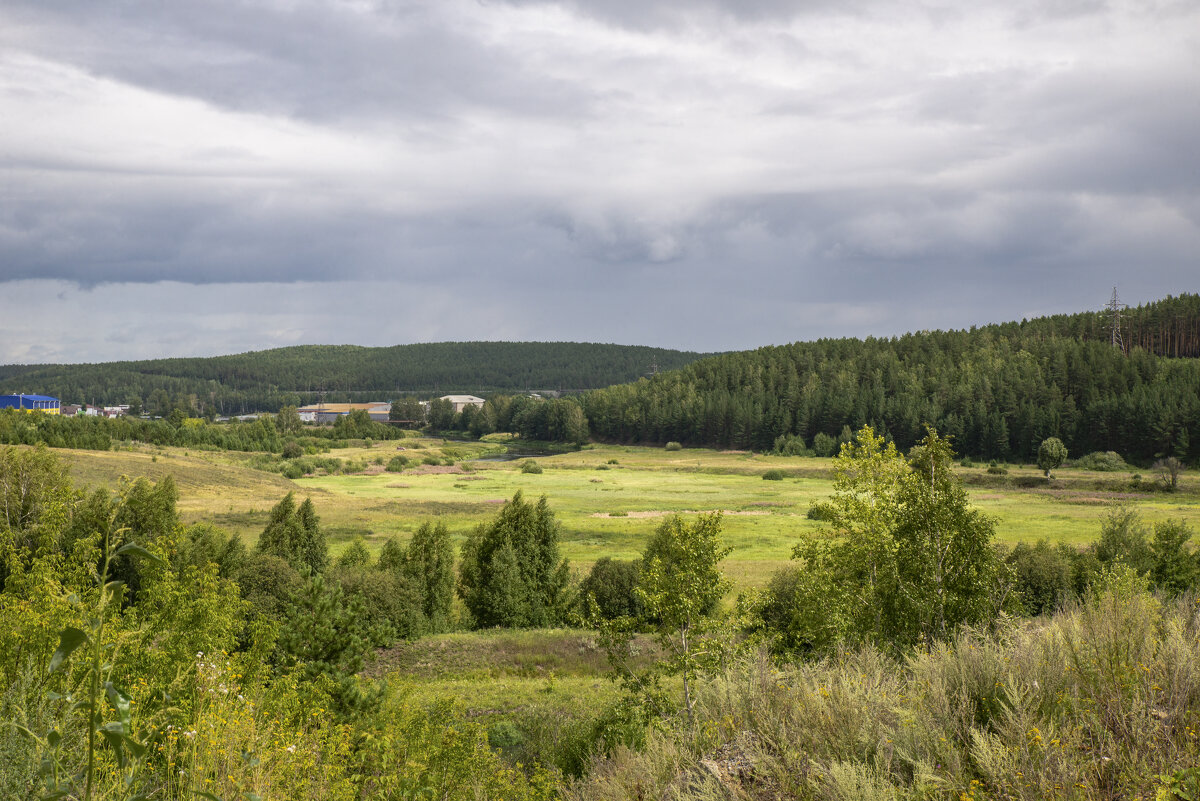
(609, 499)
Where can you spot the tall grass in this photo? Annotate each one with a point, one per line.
(1099, 701)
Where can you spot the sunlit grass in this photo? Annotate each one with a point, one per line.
(605, 509)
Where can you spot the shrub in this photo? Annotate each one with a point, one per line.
(1045, 576)
(292, 471)
(824, 445)
(613, 461)
(820, 511)
(789, 445)
(292, 450)
(997, 470)
(1102, 462)
(966, 462)
(267, 582)
(612, 584)
(773, 475)
(396, 464)
(431, 460)
(531, 467)
(673, 446)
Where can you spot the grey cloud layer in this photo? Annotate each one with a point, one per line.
(827, 156)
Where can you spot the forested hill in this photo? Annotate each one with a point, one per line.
(999, 390)
(265, 380)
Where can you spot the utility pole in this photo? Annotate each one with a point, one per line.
(1114, 308)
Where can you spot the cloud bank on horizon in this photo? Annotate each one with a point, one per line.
(199, 178)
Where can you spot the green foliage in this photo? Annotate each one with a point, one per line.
(1101, 462)
(672, 446)
(287, 421)
(396, 464)
(789, 445)
(428, 565)
(612, 585)
(1175, 569)
(202, 544)
(1051, 454)
(268, 583)
(1044, 576)
(389, 606)
(774, 474)
(511, 573)
(823, 444)
(911, 560)
(530, 467)
(1124, 538)
(998, 390)
(294, 535)
(793, 612)
(1018, 713)
(323, 635)
(679, 583)
(356, 556)
(821, 511)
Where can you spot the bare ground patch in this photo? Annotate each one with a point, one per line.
(665, 512)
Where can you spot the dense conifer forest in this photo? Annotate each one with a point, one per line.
(266, 380)
(999, 390)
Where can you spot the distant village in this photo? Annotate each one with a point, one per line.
(319, 413)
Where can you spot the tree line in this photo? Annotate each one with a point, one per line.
(998, 390)
(267, 380)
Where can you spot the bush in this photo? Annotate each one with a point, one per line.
(773, 475)
(997, 470)
(267, 582)
(612, 584)
(673, 446)
(389, 604)
(789, 445)
(531, 467)
(1045, 576)
(292, 450)
(824, 445)
(966, 462)
(292, 471)
(431, 460)
(613, 461)
(820, 511)
(396, 464)
(1102, 462)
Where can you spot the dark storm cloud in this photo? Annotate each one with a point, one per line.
(795, 169)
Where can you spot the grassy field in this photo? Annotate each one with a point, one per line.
(609, 499)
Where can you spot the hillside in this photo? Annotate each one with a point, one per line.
(999, 390)
(265, 380)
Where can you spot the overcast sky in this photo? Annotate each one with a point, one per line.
(195, 178)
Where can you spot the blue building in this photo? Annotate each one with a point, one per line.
(40, 403)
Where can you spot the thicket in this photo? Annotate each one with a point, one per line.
(998, 390)
(511, 573)
(226, 674)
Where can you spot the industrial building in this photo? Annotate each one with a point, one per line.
(31, 403)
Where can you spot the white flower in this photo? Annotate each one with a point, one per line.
(291, 749)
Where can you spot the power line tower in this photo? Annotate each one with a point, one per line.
(1114, 310)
